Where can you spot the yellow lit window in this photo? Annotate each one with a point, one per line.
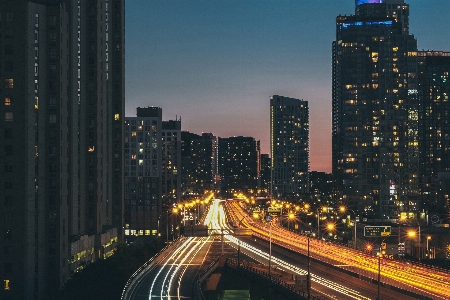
(91, 148)
(116, 117)
(133, 133)
(6, 281)
(7, 101)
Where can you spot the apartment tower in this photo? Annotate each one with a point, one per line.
(62, 109)
(289, 146)
(375, 110)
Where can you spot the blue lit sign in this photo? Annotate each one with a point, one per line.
(359, 2)
(368, 23)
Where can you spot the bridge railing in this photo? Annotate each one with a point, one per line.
(197, 288)
(134, 279)
(288, 288)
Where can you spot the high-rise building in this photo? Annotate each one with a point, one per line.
(171, 162)
(198, 163)
(238, 161)
(434, 126)
(62, 105)
(152, 172)
(375, 110)
(289, 146)
(264, 176)
(143, 162)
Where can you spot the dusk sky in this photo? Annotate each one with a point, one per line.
(216, 63)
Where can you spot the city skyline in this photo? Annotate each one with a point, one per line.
(225, 59)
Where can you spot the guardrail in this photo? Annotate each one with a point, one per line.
(131, 284)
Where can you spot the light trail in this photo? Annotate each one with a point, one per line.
(432, 283)
(221, 220)
(175, 266)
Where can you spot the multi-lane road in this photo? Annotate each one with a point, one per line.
(421, 280)
(171, 274)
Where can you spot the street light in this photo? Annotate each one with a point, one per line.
(428, 250)
(412, 234)
(291, 216)
(331, 227)
(174, 215)
(324, 209)
(343, 209)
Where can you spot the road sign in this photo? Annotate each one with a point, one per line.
(377, 231)
(242, 232)
(274, 210)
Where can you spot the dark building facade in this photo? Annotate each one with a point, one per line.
(321, 188)
(434, 126)
(264, 176)
(197, 155)
(375, 110)
(171, 162)
(238, 159)
(62, 136)
(289, 146)
(143, 161)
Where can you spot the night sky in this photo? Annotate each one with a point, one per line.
(216, 63)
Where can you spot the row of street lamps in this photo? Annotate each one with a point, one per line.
(293, 210)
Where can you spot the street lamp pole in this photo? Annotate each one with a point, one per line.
(318, 223)
(379, 268)
(158, 233)
(270, 245)
(309, 273)
(167, 226)
(420, 252)
(379, 273)
(343, 209)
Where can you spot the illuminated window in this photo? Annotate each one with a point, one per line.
(7, 101)
(9, 83)
(91, 148)
(133, 133)
(116, 117)
(6, 286)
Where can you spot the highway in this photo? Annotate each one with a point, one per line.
(171, 274)
(430, 283)
(325, 282)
